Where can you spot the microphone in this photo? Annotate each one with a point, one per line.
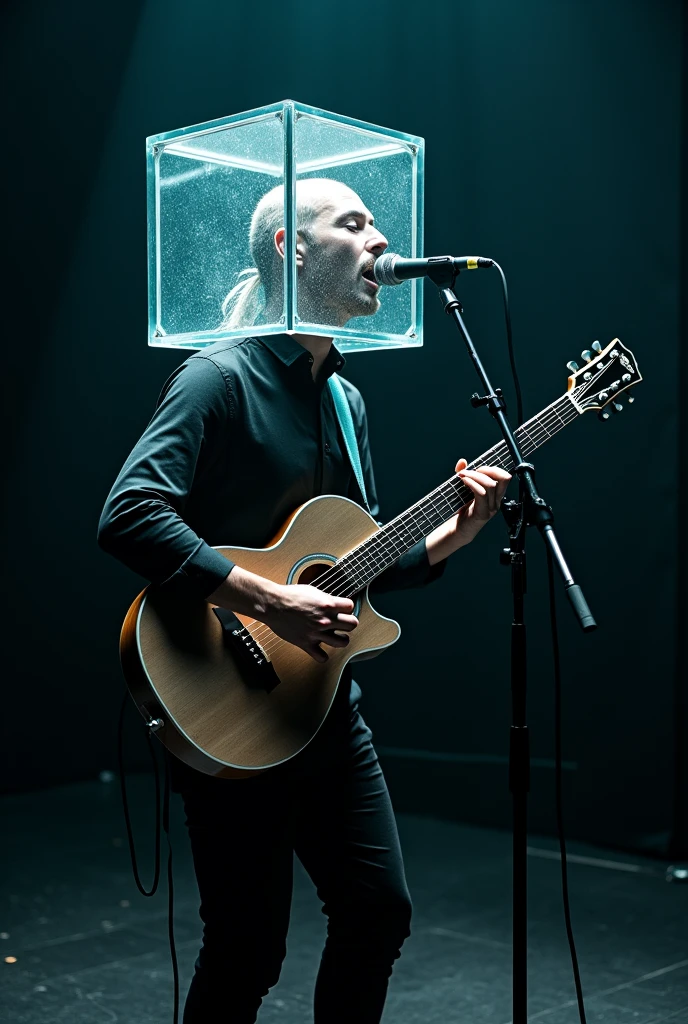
(391, 269)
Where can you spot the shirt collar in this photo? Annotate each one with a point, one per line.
(288, 350)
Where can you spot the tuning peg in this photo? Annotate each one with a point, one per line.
(616, 406)
(596, 347)
(630, 399)
(604, 415)
(586, 355)
(572, 366)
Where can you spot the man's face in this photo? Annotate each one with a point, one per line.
(336, 253)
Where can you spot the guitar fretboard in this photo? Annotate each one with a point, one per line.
(360, 566)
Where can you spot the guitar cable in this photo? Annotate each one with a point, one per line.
(558, 771)
(162, 814)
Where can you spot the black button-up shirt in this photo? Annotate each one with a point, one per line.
(241, 436)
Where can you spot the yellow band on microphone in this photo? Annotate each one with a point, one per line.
(472, 263)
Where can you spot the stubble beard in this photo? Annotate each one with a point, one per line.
(338, 310)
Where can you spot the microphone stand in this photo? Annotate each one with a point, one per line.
(530, 510)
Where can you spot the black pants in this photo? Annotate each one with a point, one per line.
(330, 805)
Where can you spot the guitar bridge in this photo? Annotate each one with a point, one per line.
(256, 670)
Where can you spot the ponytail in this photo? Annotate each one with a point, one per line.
(242, 306)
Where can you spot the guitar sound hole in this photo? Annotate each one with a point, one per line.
(334, 583)
(312, 572)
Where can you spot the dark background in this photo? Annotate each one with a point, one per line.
(553, 135)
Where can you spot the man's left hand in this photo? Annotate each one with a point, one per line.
(488, 484)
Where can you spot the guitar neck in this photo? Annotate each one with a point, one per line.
(361, 565)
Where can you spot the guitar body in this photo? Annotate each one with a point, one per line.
(217, 713)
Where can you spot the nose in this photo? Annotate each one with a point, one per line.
(377, 243)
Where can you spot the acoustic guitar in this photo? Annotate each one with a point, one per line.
(231, 698)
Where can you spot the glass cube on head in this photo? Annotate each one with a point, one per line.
(337, 244)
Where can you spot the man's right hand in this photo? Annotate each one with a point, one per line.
(308, 617)
(299, 613)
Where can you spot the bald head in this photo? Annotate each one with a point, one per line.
(314, 197)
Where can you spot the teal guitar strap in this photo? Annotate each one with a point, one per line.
(341, 404)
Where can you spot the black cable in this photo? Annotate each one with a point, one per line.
(165, 813)
(125, 804)
(510, 344)
(170, 889)
(558, 775)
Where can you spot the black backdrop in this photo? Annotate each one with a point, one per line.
(553, 145)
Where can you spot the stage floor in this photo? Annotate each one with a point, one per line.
(89, 948)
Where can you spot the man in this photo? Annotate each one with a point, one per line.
(244, 432)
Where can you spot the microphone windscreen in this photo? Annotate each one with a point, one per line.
(383, 268)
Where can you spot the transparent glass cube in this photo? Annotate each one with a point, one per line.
(260, 223)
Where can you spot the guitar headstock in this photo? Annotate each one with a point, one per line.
(605, 375)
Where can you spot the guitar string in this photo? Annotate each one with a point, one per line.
(365, 560)
(269, 644)
(269, 640)
(453, 482)
(361, 562)
(537, 425)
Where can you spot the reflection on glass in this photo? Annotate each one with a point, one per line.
(207, 186)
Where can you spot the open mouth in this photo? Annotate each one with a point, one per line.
(369, 278)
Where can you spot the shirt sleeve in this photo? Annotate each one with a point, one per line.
(142, 523)
(412, 569)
